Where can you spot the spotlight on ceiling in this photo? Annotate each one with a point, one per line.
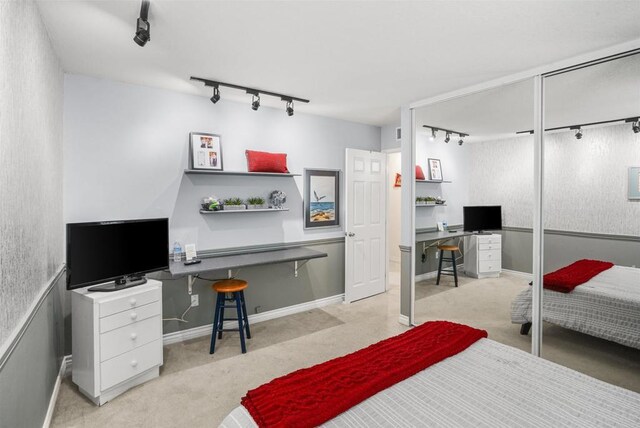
(143, 28)
(216, 95)
(460, 141)
(578, 133)
(447, 138)
(290, 107)
(636, 127)
(433, 134)
(255, 102)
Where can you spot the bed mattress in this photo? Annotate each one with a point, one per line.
(606, 306)
(488, 385)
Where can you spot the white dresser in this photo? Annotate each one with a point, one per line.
(483, 255)
(116, 339)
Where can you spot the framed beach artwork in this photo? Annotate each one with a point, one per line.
(435, 169)
(321, 198)
(205, 151)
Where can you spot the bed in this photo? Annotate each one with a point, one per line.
(607, 306)
(487, 385)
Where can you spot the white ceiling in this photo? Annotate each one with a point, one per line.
(355, 60)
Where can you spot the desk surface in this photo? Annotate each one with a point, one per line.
(238, 261)
(439, 236)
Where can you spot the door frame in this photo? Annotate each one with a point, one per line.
(387, 152)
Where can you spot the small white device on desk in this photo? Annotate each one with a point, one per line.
(117, 339)
(483, 255)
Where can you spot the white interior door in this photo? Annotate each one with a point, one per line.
(365, 243)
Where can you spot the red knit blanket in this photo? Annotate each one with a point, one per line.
(569, 277)
(311, 396)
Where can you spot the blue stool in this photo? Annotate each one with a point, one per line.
(234, 287)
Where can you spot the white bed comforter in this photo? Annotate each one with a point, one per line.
(488, 385)
(606, 306)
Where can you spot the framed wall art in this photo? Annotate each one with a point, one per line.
(435, 169)
(205, 151)
(321, 198)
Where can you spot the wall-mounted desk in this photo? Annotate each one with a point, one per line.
(238, 261)
(440, 236)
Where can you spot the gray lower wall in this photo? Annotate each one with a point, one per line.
(28, 371)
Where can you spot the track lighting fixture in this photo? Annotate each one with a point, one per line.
(461, 141)
(433, 134)
(447, 137)
(216, 95)
(636, 127)
(448, 134)
(255, 94)
(578, 133)
(143, 28)
(255, 102)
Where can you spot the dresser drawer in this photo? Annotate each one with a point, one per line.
(129, 302)
(124, 339)
(495, 255)
(129, 317)
(130, 364)
(485, 247)
(492, 239)
(489, 266)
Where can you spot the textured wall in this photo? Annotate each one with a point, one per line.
(31, 228)
(585, 180)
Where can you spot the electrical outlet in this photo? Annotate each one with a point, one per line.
(195, 301)
(437, 254)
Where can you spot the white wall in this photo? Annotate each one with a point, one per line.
(31, 228)
(585, 180)
(394, 209)
(455, 161)
(388, 137)
(126, 149)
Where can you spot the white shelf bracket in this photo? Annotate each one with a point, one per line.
(298, 264)
(190, 281)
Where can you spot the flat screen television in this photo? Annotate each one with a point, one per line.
(122, 250)
(482, 218)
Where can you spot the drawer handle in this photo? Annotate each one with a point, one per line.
(134, 315)
(134, 363)
(132, 301)
(134, 336)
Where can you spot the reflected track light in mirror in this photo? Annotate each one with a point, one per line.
(447, 138)
(255, 102)
(578, 134)
(143, 28)
(216, 95)
(290, 108)
(433, 134)
(461, 141)
(636, 127)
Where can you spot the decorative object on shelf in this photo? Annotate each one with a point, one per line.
(277, 198)
(321, 198)
(419, 173)
(233, 204)
(428, 200)
(634, 183)
(256, 203)
(266, 162)
(206, 151)
(440, 201)
(211, 204)
(398, 181)
(435, 169)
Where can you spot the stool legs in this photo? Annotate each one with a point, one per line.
(245, 316)
(439, 267)
(240, 321)
(216, 319)
(455, 271)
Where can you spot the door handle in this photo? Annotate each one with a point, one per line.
(351, 234)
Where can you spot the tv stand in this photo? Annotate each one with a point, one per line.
(120, 284)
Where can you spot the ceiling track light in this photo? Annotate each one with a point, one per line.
(256, 93)
(461, 140)
(578, 132)
(447, 137)
(143, 28)
(433, 134)
(635, 126)
(448, 134)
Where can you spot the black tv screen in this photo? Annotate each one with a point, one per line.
(105, 251)
(482, 218)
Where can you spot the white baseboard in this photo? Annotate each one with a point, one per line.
(518, 273)
(404, 320)
(433, 274)
(204, 330)
(54, 394)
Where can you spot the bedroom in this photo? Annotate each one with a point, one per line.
(97, 128)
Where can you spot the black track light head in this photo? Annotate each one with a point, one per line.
(447, 138)
(290, 108)
(578, 134)
(460, 141)
(432, 137)
(216, 95)
(255, 102)
(143, 28)
(635, 126)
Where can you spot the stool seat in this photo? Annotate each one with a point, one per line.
(229, 285)
(448, 247)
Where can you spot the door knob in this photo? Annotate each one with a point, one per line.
(352, 234)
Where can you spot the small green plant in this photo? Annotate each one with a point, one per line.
(233, 201)
(256, 200)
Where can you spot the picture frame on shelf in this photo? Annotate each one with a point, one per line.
(634, 183)
(435, 169)
(321, 198)
(205, 151)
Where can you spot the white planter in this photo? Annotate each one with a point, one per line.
(257, 207)
(234, 207)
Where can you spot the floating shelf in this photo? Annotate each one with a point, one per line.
(263, 174)
(263, 210)
(433, 181)
(431, 205)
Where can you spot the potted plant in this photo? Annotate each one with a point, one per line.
(256, 203)
(420, 200)
(233, 204)
(211, 204)
(430, 200)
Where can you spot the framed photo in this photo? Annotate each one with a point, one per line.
(634, 182)
(321, 198)
(435, 169)
(205, 151)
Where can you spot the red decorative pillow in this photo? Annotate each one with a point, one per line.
(419, 173)
(266, 162)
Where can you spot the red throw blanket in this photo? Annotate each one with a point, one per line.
(311, 396)
(569, 277)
